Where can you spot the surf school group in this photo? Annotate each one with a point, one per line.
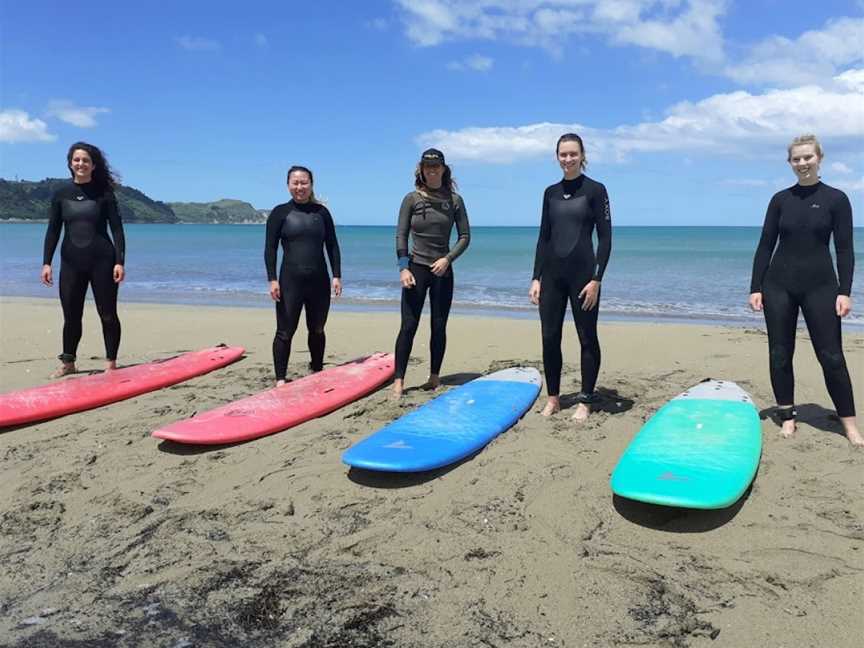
(793, 271)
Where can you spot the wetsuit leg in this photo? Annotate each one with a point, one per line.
(412, 306)
(586, 329)
(105, 295)
(73, 290)
(440, 300)
(287, 317)
(553, 308)
(317, 305)
(823, 323)
(781, 319)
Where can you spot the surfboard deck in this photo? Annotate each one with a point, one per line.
(451, 426)
(76, 394)
(283, 407)
(701, 450)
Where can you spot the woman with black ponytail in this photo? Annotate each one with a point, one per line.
(84, 210)
(304, 227)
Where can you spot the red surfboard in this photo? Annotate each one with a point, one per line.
(78, 394)
(283, 407)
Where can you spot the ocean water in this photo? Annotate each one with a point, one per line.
(695, 274)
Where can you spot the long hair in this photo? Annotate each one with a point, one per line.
(804, 139)
(447, 181)
(297, 167)
(573, 137)
(104, 177)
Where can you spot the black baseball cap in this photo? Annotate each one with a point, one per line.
(432, 156)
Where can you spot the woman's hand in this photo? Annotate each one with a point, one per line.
(119, 273)
(589, 294)
(337, 286)
(406, 278)
(844, 305)
(47, 276)
(440, 266)
(756, 301)
(534, 292)
(275, 291)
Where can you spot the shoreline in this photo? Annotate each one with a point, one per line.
(348, 305)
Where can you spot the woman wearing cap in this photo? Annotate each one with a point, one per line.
(428, 215)
(799, 275)
(304, 227)
(566, 268)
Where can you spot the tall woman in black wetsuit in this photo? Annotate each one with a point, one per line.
(428, 214)
(567, 269)
(304, 227)
(800, 275)
(83, 211)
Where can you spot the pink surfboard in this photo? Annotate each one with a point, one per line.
(78, 394)
(283, 407)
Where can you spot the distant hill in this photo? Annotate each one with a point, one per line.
(221, 211)
(28, 200)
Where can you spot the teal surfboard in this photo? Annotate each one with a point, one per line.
(700, 450)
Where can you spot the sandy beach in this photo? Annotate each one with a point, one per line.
(110, 538)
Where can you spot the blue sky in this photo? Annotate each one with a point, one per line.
(686, 106)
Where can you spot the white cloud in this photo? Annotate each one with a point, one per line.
(378, 24)
(723, 123)
(677, 27)
(18, 126)
(839, 167)
(476, 62)
(197, 43)
(80, 116)
(813, 57)
(261, 40)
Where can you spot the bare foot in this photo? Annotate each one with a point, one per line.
(432, 383)
(398, 387)
(852, 433)
(110, 365)
(787, 428)
(65, 369)
(583, 411)
(553, 406)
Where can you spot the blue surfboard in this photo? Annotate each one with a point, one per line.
(700, 450)
(451, 426)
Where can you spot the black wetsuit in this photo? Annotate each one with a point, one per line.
(564, 263)
(304, 230)
(800, 275)
(87, 257)
(429, 217)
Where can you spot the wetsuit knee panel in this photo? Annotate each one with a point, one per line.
(831, 359)
(780, 357)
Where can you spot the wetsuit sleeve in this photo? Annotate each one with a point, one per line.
(770, 232)
(271, 243)
(603, 222)
(332, 245)
(403, 226)
(542, 238)
(463, 229)
(55, 226)
(843, 245)
(112, 212)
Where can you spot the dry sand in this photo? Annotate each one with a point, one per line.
(110, 538)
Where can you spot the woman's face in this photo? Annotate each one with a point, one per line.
(300, 186)
(433, 175)
(805, 160)
(570, 158)
(81, 166)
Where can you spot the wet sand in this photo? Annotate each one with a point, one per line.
(110, 538)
